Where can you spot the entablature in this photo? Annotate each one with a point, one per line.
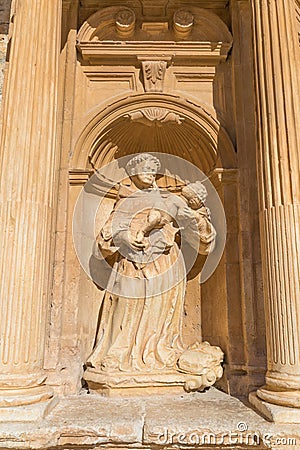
(121, 35)
(130, 53)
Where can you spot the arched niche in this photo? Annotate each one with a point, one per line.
(182, 128)
(154, 122)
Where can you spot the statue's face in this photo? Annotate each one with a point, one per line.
(194, 202)
(146, 173)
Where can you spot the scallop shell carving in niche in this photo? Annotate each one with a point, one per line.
(158, 116)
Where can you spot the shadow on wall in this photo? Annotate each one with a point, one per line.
(5, 8)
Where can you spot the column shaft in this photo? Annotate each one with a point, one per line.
(27, 195)
(277, 89)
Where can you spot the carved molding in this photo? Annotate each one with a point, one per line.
(209, 4)
(154, 74)
(78, 177)
(194, 75)
(102, 75)
(225, 176)
(180, 53)
(111, 21)
(197, 36)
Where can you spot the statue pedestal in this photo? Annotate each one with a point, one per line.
(127, 384)
(197, 368)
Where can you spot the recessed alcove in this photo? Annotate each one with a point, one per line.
(154, 92)
(167, 124)
(92, 82)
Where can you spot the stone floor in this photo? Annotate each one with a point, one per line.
(203, 420)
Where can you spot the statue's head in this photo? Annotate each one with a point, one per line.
(143, 169)
(195, 193)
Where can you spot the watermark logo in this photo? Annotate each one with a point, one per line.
(240, 436)
(242, 426)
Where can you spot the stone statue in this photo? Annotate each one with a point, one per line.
(139, 339)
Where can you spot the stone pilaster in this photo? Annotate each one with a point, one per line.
(27, 187)
(277, 88)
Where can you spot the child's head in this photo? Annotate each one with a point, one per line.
(195, 193)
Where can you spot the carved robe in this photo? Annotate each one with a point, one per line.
(142, 332)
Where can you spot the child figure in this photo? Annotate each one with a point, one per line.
(194, 195)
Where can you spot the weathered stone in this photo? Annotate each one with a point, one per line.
(28, 187)
(92, 421)
(88, 82)
(278, 98)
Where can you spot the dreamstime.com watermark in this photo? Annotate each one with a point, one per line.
(241, 436)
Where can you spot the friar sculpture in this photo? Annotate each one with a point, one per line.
(139, 340)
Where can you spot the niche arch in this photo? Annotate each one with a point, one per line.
(108, 135)
(154, 122)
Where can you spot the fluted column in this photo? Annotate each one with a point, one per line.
(277, 89)
(27, 196)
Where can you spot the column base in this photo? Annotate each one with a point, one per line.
(282, 397)
(274, 413)
(26, 405)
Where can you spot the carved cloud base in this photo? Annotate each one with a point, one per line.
(274, 413)
(26, 405)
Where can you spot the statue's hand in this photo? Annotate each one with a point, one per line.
(136, 244)
(140, 236)
(185, 214)
(130, 241)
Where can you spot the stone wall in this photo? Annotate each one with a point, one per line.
(5, 6)
(298, 18)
